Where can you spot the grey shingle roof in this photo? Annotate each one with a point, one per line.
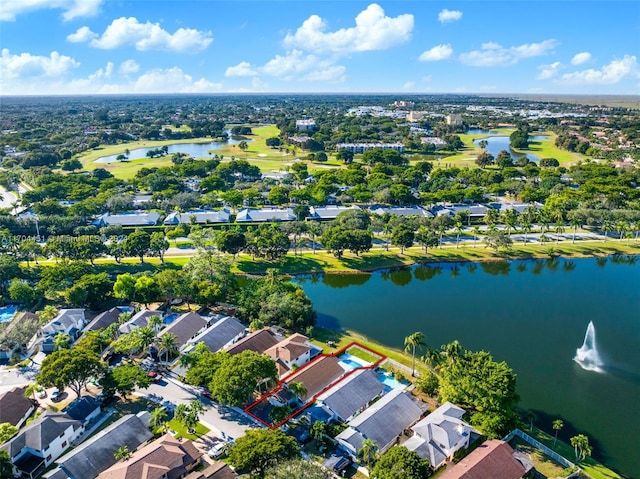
(63, 321)
(82, 408)
(258, 341)
(328, 212)
(95, 455)
(401, 211)
(353, 393)
(138, 320)
(40, 433)
(185, 326)
(128, 219)
(103, 320)
(265, 214)
(220, 216)
(14, 406)
(384, 421)
(220, 333)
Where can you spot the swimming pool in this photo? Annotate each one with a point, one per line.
(350, 362)
(7, 312)
(389, 381)
(170, 318)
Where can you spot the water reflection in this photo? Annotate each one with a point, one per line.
(345, 280)
(425, 272)
(400, 277)
(496, 268)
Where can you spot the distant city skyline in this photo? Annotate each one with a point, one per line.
(53, 47)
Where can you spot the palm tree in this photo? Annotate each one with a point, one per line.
(559, 229)
(411, 342)
(369, 451)
(146, 336)
(476, 235)
(531, 416)
(314, 230)
(155, 322)
(636, 227)
(581, 446)
(168, 344)
(452, 351)
(526, 228)
(432, 358)
(576, 223)
(298, 389)
(458, 232)
(158, 415)
(61, 341)
(622, 228)
(31, 390)
(606, 227)
(121, 453)
(557, 425)
(317, 430)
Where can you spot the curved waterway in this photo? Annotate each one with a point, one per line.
(532, 314)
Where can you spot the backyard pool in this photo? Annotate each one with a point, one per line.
(170, 318)
(350, 362)
(389, 381)
(7, 312)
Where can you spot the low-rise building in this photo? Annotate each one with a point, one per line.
(494, 459)
(138, 320)
(305, 125)
(351, 395)
(401, 211)
(258, 341)
(265, 214)
(186, 327)
(198, 217)
(166, 457)
(328, 213)
(316, 376)
(40, 443)
(15, 408)
(222, 333)
(103, 320)
(439, 435)
(294, 351)
(362, 147)
(131, 218)
(382, 422)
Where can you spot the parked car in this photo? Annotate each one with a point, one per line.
(155, 377)
(55, 395)
(41, 393)
(218, 450)
(337, 463)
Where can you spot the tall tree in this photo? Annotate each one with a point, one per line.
(557, 425)
(260, 449)
(72, 368)
(401, 463)
(138, 244)
(411, 343)
(368, 451)
(581, 446)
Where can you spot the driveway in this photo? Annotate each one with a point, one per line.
(10, 378)
(224, 421)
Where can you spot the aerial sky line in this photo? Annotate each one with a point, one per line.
(211, 46)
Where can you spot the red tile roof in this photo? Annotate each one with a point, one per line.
(491, 460)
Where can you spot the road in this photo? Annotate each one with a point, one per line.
(10, 378)
(224, 421)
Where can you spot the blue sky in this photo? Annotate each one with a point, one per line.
(419, 46)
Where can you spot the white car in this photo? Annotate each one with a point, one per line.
(55, 395)
(218, 450)
(41, 393)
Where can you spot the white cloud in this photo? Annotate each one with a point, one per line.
(173, 80)
(437, 53)
(144, 36)
(373, 30)
(128, 67)
(242, 69)
(446, 16)
(609, 74)
(580, 58)
(333, 74)
(410, 85)
(548, 71)
(25, 66)
(83, 34)
(493, 54)
(72, 8)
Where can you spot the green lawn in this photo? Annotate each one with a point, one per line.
(542, 463)
(592, 468)
(181, 431)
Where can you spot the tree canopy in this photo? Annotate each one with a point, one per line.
(260, 449)
(401, 463)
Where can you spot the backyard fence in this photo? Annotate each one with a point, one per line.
(537, 444)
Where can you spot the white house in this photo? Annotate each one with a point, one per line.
(439, 435)
(67, 321)
(40, 443)
(305, 125)
(292, 351)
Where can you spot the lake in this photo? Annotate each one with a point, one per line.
(192, 149)
(532, 314)
(496, 144)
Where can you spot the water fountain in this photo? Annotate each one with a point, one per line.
(587, 355)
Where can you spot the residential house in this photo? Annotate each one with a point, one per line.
(494, 459)
(95, 455)
(439, 435)
(224, 332)
(518, 207)
(401, 211)
(351, 395)
(316, 376)
(40, 443)
(143, 218)
(186, 327)
(164, 458)
(292, 352)
(265, 214)
(258, 341)
(382, 422)
(217, 470)
(474, 210)
(198, 217)
(15, 408)
(328, 213)
(103, 320)
(67, 321)
(84, 409)
(138, 320)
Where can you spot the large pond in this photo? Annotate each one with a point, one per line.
(192, 149)
(496, 144)
(532, 314)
